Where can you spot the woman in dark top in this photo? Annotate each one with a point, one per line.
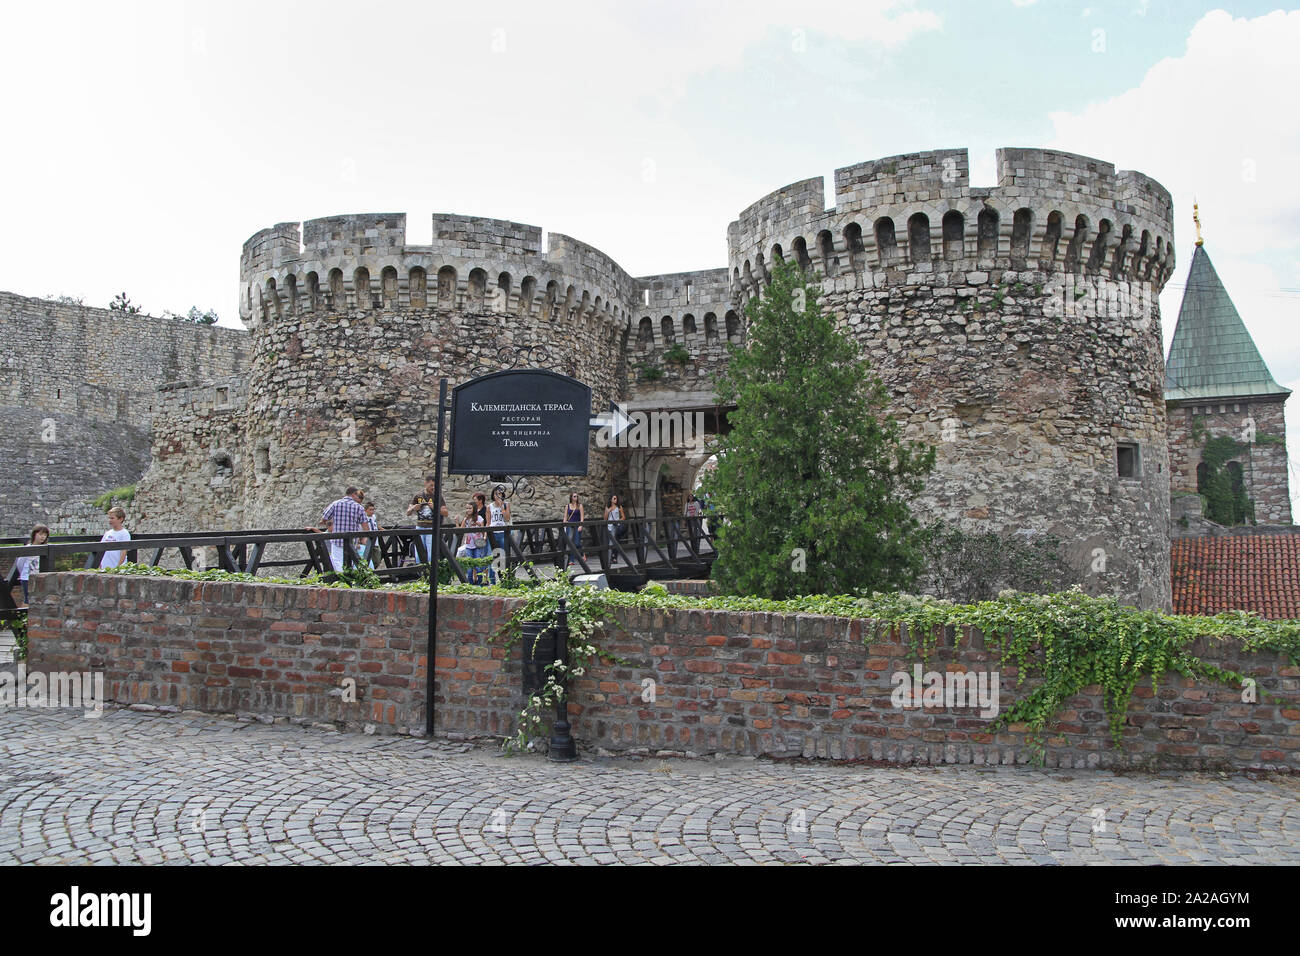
(574, 512)
(480, 509)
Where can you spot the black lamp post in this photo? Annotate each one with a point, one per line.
(562, 747)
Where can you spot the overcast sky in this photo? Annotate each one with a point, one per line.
(143, 143)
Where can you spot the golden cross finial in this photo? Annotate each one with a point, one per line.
(1196, 218)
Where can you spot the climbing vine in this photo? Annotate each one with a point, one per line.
(1060, 643)
(1070, 641)
(18, 625)
(1226, 501)
(587, 614)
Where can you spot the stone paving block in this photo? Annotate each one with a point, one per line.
(124, 791)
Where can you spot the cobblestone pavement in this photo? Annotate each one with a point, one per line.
(155, 788)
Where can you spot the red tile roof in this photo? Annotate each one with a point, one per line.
(1237, 572)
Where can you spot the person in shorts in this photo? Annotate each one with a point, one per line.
(344, 515)
(422, 506)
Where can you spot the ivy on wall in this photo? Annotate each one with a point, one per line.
(1226, 501)
(1060, 643)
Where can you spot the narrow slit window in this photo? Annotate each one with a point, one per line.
(1129, 461)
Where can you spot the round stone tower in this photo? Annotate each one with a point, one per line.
(1017, 328)
(352, 328)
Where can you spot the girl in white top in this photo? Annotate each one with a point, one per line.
(40, 535)
(613, 515)
(471, 542)
(499, 510)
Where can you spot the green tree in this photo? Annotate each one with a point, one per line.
(202, 318)
(813, 478)
(124, 305)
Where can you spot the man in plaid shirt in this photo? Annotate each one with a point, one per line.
(343, 515)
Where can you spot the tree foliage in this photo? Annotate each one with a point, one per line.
(202, 318)
(209, 317)
(813, 477)
(124, 305)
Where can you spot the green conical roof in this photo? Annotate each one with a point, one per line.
(1213, 356)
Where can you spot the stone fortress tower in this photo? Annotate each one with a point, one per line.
(1016, 326)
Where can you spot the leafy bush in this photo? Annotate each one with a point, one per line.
(967, 567)
(124, 305)
(19, 627)
(677, 354)
(123, 496)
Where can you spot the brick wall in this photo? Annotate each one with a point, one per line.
(725, 682)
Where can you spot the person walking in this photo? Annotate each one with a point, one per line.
(343, 516)
(614, 517)
(481, 509)
(116, 532)
(573, 512)
(469, 544)
(476, 545)
(693, 512)
(40, 535)
(422, 506)
(367, 549)
(500, 515)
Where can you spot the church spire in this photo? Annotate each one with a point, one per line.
(1213, 355)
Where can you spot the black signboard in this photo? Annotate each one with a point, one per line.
(527, 422)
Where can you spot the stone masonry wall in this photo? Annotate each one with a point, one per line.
(197, 462)
(1017, 329)
(691, 309)
(724, 682)
(1259, 424)
(77, 396)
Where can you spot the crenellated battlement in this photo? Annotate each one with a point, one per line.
(474, 265)
(917, 213)
(692, 309)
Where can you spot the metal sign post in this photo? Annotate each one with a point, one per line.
(512, 422)
(435, 546)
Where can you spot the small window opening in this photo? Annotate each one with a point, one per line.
(1128, 461)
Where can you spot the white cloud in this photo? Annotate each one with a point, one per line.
(149, 139)
(1216, 125)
